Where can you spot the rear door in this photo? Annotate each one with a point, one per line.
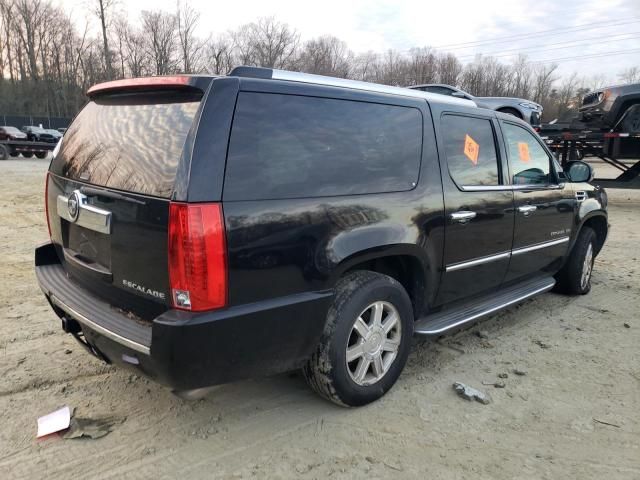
(478, 206)
(544, 206)
(109, 188)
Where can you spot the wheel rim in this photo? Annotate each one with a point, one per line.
(373, 343)
(587, 267)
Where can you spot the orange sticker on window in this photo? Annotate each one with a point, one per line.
(523, 150)
(471, 149)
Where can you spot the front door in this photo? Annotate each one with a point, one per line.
(478, 206)
(544, 206)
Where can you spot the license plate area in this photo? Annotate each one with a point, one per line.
(87, 247)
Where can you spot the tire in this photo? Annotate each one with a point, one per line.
(27, 154)
(358, 296)
(41, 154)
(4, 152)
(14, 153)
(575, 276)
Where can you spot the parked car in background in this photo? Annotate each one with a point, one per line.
(62, 130)
(526, 110)
(38, 134)
(271, 220)
(11, 133)
(56, 134)
(612, 108)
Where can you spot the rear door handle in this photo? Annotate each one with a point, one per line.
(463, 216)
(527, 209)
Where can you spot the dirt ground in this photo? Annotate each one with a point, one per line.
(573, 415)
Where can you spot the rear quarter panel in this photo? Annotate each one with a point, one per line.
(286, 246)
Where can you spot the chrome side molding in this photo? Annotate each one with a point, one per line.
(516, 251)
(76, 209)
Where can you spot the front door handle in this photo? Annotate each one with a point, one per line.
(463, 216)
(527, 209)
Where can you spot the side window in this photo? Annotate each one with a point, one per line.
(288, 146)
(440, 90)
(470, 149)
(529, 162)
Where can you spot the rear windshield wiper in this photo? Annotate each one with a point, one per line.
(95, 192)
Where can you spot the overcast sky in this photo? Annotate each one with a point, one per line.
(595, 27)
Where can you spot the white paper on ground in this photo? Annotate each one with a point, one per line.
(54, 422)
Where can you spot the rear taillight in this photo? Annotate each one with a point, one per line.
(197, 256)
(46, 202)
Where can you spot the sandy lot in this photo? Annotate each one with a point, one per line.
(582, 363)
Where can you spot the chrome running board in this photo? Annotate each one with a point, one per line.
(440, 322)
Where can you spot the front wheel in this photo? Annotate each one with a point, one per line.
(366, 340)
(575, 276)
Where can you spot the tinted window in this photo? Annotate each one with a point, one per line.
(440, 90)
(285, 146)
(470, 150)
(529, 162)
(128, 142)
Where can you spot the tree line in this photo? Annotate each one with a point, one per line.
(48, 62)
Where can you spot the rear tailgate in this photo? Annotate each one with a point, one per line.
(108, 194)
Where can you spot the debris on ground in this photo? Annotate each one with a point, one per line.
(606, 423)
(90, 428)
(482, 334)
(520, 372)
(541, 344)
(503, 375)
(626, 325)
(54, 422)
(470, 393)
(499, 384)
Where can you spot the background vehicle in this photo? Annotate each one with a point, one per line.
(55, 133)
(38, 134)
(616, 108)
(11, 133)
(526, 110)
(301, 221)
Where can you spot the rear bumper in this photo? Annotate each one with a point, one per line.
(185, 350)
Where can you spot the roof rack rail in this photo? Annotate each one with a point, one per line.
(274, 74)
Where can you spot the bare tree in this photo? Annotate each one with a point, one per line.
(326, 55)
(190, 46)
(630, 75)
(101, 12)
(219, 57)
(160, 27)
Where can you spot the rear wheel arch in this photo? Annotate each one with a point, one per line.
(407, 269)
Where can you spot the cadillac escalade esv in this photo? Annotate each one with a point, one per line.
(209, 229)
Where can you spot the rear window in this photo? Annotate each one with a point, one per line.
(128, 142)
(288, 146)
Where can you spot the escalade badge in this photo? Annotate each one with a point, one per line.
(73, 206)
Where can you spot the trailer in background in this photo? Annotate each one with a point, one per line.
(619, 149)
(13, 148)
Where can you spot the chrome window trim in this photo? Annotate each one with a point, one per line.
(99, 328)
(89, 216)
(538, 246)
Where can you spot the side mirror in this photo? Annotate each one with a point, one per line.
(579, 172)
(458, 95)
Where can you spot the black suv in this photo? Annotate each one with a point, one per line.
(207, 229)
